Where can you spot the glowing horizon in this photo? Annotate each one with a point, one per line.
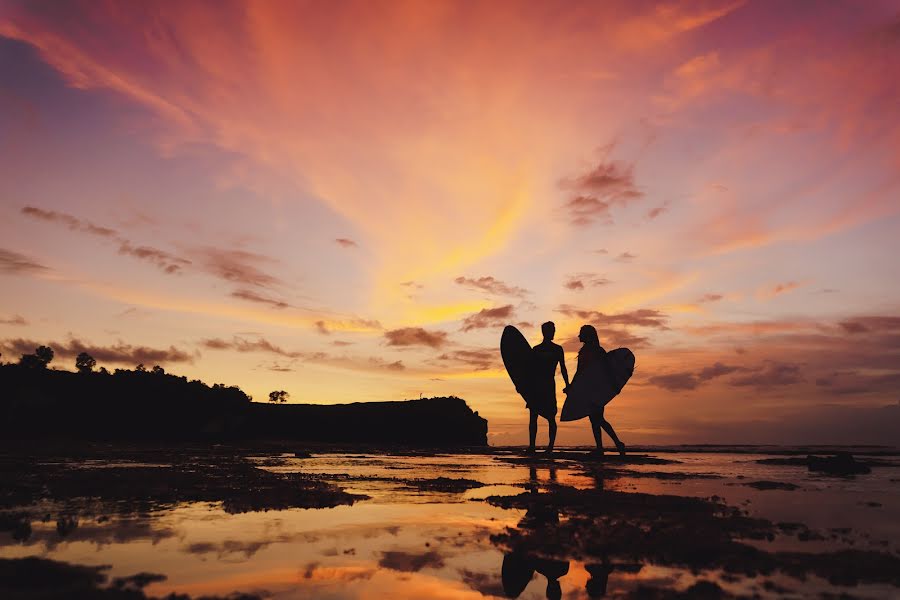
(349, 200)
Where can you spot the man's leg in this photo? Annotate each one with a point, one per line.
(532, 430)
(551, 422)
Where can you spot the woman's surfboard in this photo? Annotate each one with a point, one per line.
(519, 361)
(594, 390)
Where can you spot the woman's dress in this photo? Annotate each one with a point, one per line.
(594, 385)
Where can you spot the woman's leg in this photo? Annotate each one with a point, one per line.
(596, 419)
(608, 428)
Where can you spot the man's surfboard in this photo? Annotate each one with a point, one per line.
(597, 391)
(519, 360)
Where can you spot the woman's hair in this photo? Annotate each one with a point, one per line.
(591, 340)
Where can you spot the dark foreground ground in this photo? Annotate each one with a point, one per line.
(230, 521)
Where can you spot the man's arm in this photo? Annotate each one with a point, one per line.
(562, 366)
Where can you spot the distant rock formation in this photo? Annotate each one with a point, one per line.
(144, 405)
(427, 422)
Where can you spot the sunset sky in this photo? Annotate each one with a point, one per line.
(348, 201)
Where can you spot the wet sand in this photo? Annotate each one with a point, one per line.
(353, 523)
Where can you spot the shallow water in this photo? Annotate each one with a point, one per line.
(406, 542)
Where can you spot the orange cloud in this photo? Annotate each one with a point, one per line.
(415, 336)
(497, 316)
(668, 19)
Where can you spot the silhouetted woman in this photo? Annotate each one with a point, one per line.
(593, 377)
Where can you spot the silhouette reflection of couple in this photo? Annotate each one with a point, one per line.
(593, 370)
(518, 570)
(519, 566)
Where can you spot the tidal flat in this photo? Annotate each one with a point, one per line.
(224, 521)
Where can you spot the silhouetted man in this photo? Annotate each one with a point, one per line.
(544, 401)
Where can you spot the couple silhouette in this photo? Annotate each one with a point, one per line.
(594, 384)
(518, 570)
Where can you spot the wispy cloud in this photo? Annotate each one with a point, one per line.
(707, 298)
(118, 353)
(166, 261)
(772, 374)
(752, 328)
(415, 336)
(236, 266)
(580, 281)
(380, 363)
(13, 320)
(690, 380)
(595, 192)
(778, 289)
(489, 317)
(584, 210)
(643, 317)
(68, 221)
(491, 285)
(675, 382)
(660, 22)
(13, 263)
(346, 243)
(355, 363)
(655, 212)
(478, 360)
(239, 344)
(717, 370)
(880, 324)
(252, 296)
(262, 345)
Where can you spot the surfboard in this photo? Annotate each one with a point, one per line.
(589, 393)
(519, 361)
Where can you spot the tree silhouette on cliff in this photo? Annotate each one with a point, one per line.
(42, 357)
(278, 396)
(85, 363)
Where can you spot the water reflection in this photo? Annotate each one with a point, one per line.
(422, 536)
(518, 569)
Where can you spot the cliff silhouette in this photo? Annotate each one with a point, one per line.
(140, 405)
